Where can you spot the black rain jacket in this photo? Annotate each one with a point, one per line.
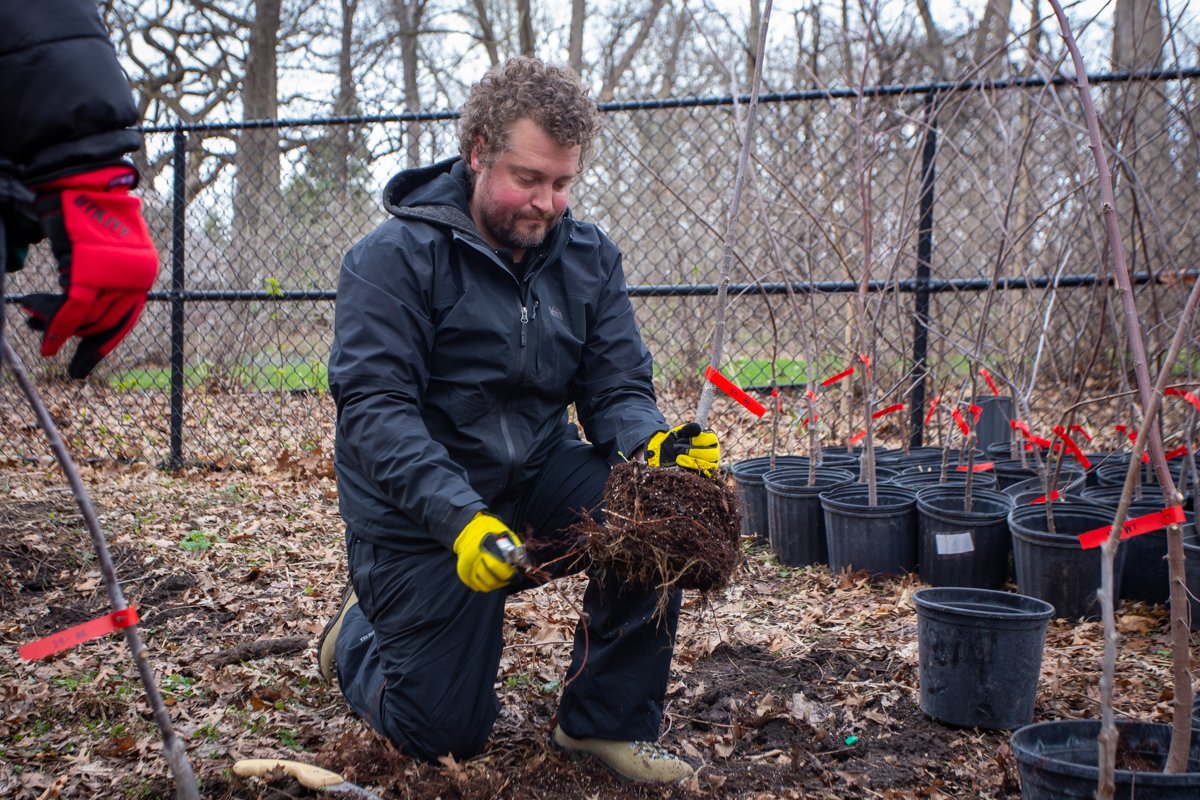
(67, 104)
(452, 377)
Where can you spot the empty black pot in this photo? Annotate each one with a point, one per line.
(980, 655)
(993, 428)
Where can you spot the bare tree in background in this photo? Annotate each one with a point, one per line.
(528, 46)
(410, 14)
(1137, 35)
(991, 37)
(575, 41)
(617, 60)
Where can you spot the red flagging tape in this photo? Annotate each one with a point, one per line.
(846, 373)
(987, 376)
(1132, 436)
(1082, 431)
(92, 629)
(962, 423)
(1134, 527)
(866, 360)
(982, 466)
(1023, 427)
(933, 404)
(881, 412)
(1072, 448)
(1177, 452)
(1191, 398)
(778, 401)
(725, 385)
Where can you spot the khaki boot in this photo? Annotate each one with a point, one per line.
(645, 762)
(328, 639)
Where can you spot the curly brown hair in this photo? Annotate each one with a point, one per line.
(525, 88)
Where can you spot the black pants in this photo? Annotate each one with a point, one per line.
(418, 656)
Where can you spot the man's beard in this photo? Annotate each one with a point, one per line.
(506, 232)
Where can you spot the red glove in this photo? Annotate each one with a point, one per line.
(106, 263)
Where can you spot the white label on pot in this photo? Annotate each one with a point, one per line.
(952, 544)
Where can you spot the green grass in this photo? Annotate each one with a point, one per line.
(757, 371)
(312, 376)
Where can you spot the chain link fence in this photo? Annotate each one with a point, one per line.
(982, 245)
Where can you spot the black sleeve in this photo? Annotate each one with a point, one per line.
(67, 101)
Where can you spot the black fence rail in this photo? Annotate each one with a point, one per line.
(976, 190)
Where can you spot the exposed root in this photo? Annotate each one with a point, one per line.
(666, 527)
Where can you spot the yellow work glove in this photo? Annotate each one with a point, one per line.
(488, 553)
(686, 446)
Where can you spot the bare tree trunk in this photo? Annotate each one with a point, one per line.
(344, 104)
(613, 79)
(409, 14)
(575, 43)
(992, 34)
(525, 28)
(487, 34)
(670, 70)
(848, 72)
(935, 50)
(257, 202)
(1137, 35)
(751, 39)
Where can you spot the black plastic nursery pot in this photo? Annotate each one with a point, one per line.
(1010, 470)
(1114, 474)
(1052, 566)
(1059, 759)
(924, 456)
(993, 428)
(1191, 552)
(795, 518)
(956, 547)
(852, 452)
(882, 539)
(980, 655)
(752, 493)
(919, 477)
(1036, 487)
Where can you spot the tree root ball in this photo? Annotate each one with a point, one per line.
(666, 527)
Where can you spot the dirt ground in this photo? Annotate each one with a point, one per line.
(789, 683)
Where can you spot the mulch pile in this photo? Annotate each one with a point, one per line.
(666, 527)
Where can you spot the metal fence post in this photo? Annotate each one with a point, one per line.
(178, 238)
(924, 258)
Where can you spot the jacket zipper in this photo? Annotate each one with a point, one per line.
(522, 289)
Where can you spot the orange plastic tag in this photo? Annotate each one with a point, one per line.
(1146, 523)
(725, 385)
(92, 629)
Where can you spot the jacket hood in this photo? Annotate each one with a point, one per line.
(436, 193)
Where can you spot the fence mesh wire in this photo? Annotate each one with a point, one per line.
(270, 211)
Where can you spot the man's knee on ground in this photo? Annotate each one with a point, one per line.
(459, 735)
